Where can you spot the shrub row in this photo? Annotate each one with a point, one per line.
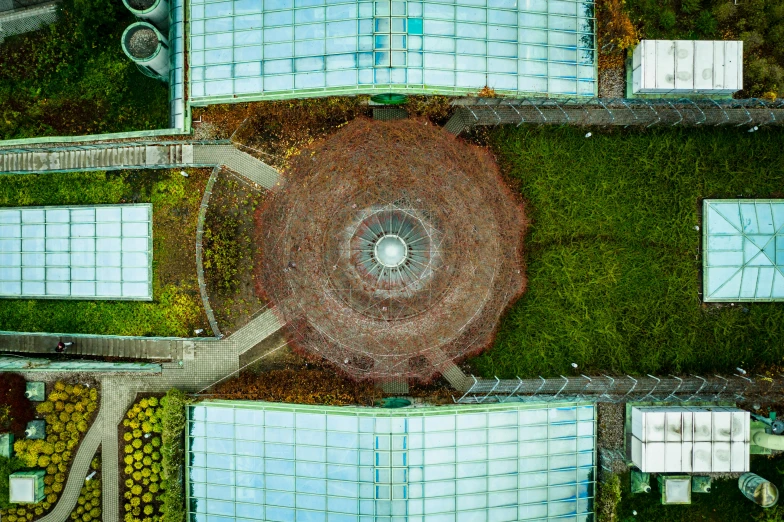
(142, 459)
(88, 506)
(172, 451)
(154, 459)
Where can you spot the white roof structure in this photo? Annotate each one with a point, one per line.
(285, 462)
(86, 252)
(22, 489)
(687, 67)
(686, 440)
(743, 250)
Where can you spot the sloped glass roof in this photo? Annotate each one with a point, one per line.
(278, 462)
(743, 250)
(254, 49)
(85, 252)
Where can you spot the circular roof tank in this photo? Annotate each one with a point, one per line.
(153, 11)
(146, 46)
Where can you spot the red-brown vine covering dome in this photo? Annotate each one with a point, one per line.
(392, 248)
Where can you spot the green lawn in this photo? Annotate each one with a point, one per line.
(176, 309)
(613, 256)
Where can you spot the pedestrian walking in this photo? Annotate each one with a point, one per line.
(61, 346)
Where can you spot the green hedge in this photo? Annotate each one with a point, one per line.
(7, 466)
(173, 456)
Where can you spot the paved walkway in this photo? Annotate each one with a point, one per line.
(115, 156)
(195, 365)
(94, 345)
(204, 363)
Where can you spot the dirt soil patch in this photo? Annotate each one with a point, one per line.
(229, 250)
(275, 130)
(273, 353)
(275, 372)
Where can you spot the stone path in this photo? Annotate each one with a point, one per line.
(113, 156)
(204, 363)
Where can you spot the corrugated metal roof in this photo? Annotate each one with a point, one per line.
(743, 250)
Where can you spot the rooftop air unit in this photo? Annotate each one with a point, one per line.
(146, 46)
(687, 67)
(154, 11)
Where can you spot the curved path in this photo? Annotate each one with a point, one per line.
(204, 363)
(80, 467)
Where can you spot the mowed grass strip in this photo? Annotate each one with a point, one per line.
(176, 309)
(614, 258)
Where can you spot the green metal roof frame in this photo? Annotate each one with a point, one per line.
(743, 250)
(301, 440)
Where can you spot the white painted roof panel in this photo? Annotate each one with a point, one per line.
(687, 66)
(90, 252)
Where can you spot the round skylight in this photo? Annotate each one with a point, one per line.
(391, 251)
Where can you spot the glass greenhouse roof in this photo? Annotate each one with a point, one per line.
(86, 252)
(254, 49)
(743, 250)
(277, 462)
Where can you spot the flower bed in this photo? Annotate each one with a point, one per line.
(141, 476)
(153, 459)
(68, 411)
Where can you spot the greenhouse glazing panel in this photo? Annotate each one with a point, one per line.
(743, 250)
(86, 252)
(274, 48)
(270, 462)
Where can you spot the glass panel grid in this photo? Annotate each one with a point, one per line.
(743, 250)
(284, 47)
(308, 463)
(86, 252)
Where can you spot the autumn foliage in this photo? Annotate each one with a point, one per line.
(15, 409)
(615, 31)
(373, 178)
(316, 386)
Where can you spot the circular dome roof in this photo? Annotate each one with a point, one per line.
(390, 252)
(391, 249)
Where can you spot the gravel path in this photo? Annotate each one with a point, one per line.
(612, 83)
(610, 435)
(143, 43)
